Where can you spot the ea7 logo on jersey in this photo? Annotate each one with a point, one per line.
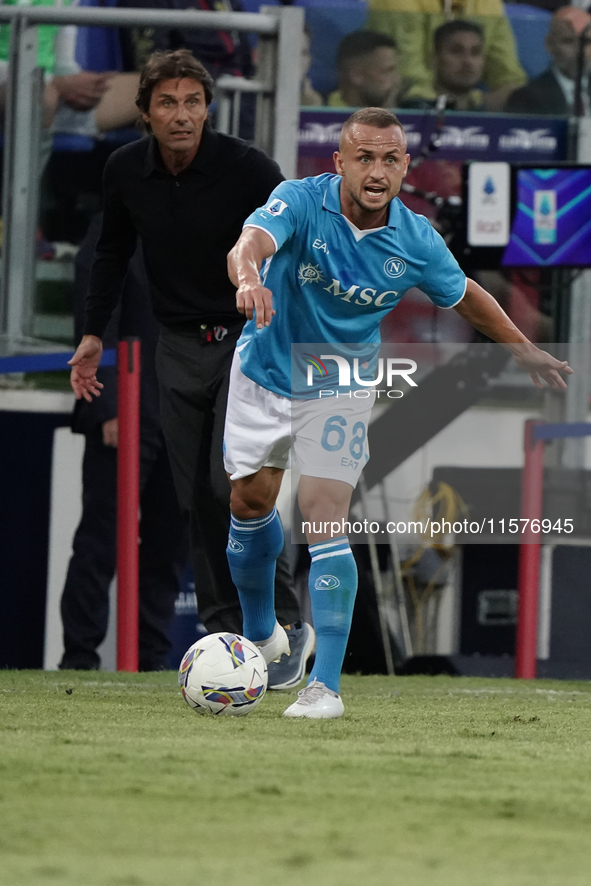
(276, 206)
(318, 244)
(395, 267)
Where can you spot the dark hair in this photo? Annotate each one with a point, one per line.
(449, 29)
(378, 117)
(171, 66)
(359, 43)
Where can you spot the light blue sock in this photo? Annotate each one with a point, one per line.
(253, 548)
(333, 586)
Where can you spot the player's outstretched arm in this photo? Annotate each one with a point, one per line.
(483, 312)
(244, 265)
(85, 363)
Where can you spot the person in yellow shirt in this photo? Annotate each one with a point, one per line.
(412, 24)
(367, 65)
(458, 65)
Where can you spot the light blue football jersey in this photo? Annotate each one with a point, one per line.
(329, 287)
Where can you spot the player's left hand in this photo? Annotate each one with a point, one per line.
(540, 365)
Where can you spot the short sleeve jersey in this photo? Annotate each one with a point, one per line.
(330, 287)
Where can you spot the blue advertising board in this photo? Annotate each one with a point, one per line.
(509, 137)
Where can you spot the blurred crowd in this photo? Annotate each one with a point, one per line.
(469, 56)
(392, 53)
(480, 55)
(410, 53)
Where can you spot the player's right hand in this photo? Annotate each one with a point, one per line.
(254, 300)
(85, 363)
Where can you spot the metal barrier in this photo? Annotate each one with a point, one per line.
(532, 487)
(277, 87)
(52, 362)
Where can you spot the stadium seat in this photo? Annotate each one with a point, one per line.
(530, 25)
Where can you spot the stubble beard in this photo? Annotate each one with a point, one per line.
(371, 208)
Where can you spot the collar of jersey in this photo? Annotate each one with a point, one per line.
(203, 160)
(332, 202)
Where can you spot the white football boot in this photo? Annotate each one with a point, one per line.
(317, 702)
(274, 646)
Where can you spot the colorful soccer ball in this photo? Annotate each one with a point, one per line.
(223, 674)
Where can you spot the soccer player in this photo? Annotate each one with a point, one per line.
(342, 251)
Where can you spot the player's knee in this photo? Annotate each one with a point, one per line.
(319, 509)
(248, 504)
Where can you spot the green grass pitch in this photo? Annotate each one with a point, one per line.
(111, 780)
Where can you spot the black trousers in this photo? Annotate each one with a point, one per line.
(162, 554)
(194, 378)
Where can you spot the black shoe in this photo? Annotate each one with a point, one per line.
(79, 662)
(290, 669)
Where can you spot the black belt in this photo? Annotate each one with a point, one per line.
(209, 333)
(216, 332)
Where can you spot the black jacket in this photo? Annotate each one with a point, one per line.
(542, 95)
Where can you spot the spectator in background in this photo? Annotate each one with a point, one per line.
(367, 67)
(458, 65)
(554, 90)
(163, 552)
(78, 101)
(220, 52)
(412, 23)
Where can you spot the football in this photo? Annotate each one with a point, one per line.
(223, 674)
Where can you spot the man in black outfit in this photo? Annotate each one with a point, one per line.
(554, 90)
(163, 550)
(186, 191)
